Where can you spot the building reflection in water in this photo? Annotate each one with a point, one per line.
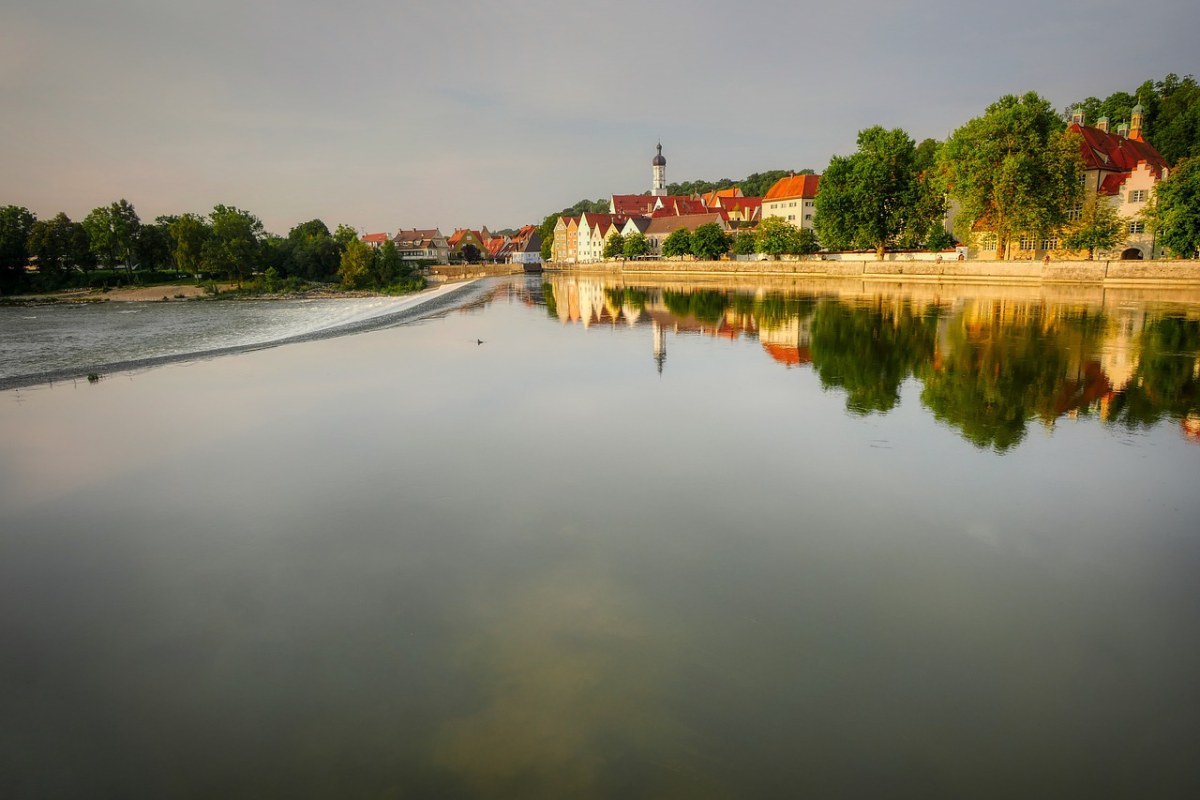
(986, 366)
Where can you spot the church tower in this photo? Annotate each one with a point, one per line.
(658, 186)
(1135, 123)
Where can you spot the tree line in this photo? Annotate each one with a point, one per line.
(113, 244)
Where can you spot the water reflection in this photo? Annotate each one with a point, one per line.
(987, 367)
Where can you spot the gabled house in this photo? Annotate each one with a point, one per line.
(422, 244)
(463, 237)
(793, 198)
(1124, 168)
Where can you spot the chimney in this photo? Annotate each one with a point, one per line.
(1102, 124)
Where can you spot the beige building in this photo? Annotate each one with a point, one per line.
(793, 199)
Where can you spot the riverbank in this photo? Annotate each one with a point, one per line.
(1131, 274)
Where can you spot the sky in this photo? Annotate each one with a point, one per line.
(459, 113)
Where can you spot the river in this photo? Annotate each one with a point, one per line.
(569, 537)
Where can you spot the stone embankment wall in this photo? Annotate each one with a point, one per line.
(459, 272)
(1107, 273)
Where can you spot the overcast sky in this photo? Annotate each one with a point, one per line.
(461, 113)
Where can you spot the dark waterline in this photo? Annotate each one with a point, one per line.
(643, 541)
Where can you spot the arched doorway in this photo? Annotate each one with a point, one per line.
(1131, 254)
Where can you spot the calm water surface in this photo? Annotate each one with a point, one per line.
(644, 541)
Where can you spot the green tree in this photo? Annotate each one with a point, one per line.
(189, 232)
(389, 266)
(636, 245)
(344, 234)
(776, 236)
(357, 265)
(16, 223)
(806, 242)
(153, 246)
(614, 245)
(709, 242)
(312, 252)
(59, 244)
(1175, 214)
(1099, 227)
(1014, 170)
(470, 254)
(113, 231)
(870, 198)
(546, 231)
(677, 243)
(870, 351)
(235, 244)
(744, 244)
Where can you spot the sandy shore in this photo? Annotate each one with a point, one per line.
(124, 294)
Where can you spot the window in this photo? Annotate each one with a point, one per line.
(988, 241)
(1050, 243)
(808, 216)
(1074, 213)
(1028, 243)
(1138, 195)
(1137, 227)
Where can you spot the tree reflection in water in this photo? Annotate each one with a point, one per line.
(986, 367)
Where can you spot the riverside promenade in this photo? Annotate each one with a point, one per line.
(1133, 274)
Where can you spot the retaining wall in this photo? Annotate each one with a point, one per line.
(1106, 273)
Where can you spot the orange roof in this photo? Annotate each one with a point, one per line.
(788, 356)
(795, 186)
(375, 238)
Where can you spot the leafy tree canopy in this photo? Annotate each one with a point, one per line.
(870, 198)
(1175, 215)
(636, 245)
(1099, 227)
(1014, 170)
(775, 236)
(709, 242)
(614, 245)
(677, 243)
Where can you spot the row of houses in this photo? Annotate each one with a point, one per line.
(1119, 166)
(465, 244)
(580, 239)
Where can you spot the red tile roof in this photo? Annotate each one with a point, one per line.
(795, 186)
(375, 238)
(689, 221)
(632, 204)
(415, 236)
(1111, 151)
(1111, 185)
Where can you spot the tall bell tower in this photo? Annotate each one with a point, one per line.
(658, 186)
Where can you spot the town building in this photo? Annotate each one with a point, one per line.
(794, 199)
